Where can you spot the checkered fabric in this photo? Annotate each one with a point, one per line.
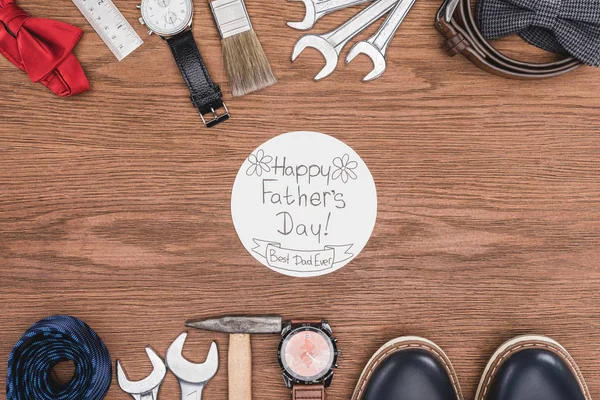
(560, 26)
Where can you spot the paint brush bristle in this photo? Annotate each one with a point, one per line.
(246, 63)
(243, 56)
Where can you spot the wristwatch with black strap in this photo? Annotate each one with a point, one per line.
(308, 355)
(172, 21)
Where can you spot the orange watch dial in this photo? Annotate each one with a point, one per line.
(307, 354)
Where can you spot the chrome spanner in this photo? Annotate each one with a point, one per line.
(330, 44)
(146, 389)
(315, 9)
(192, 377)
(376, 46)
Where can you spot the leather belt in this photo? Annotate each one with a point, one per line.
(45, 344)
(456, 22)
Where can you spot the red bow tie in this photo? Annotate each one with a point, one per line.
(42, 48)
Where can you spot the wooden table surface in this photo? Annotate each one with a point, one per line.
(115, 205)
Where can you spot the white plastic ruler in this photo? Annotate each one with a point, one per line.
(111, 25)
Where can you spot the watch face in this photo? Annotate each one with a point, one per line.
(307, 354)
(167, 17)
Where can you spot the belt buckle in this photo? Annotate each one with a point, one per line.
(216, 118)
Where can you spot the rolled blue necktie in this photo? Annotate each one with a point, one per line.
(45, 344)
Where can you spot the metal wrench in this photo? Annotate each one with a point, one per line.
(146, 389)
(376, 46)
(315, 9)
(330, 44)
(192, 377)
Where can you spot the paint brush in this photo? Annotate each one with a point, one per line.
(244, 59)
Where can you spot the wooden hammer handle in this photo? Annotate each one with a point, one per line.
(240, 367)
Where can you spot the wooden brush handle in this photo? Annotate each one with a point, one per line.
(240, 367)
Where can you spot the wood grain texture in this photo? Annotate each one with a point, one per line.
(114, 205)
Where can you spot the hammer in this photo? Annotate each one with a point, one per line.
(240, 327)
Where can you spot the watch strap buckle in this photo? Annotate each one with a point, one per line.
(213, 117)
(204, 94)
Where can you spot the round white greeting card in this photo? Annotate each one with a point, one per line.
(304, 204)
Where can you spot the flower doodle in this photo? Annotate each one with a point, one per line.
(344, 168)
(259, 163)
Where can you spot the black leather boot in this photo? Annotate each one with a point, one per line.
(408, 368)
(532, 368)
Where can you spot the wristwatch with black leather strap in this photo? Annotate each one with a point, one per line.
(172, 21)
(456, 22)
(308, 355)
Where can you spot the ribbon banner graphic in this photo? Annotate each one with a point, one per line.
(302, 261)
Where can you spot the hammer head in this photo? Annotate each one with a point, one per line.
(240, 324)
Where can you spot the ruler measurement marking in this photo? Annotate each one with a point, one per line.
(111, 26)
